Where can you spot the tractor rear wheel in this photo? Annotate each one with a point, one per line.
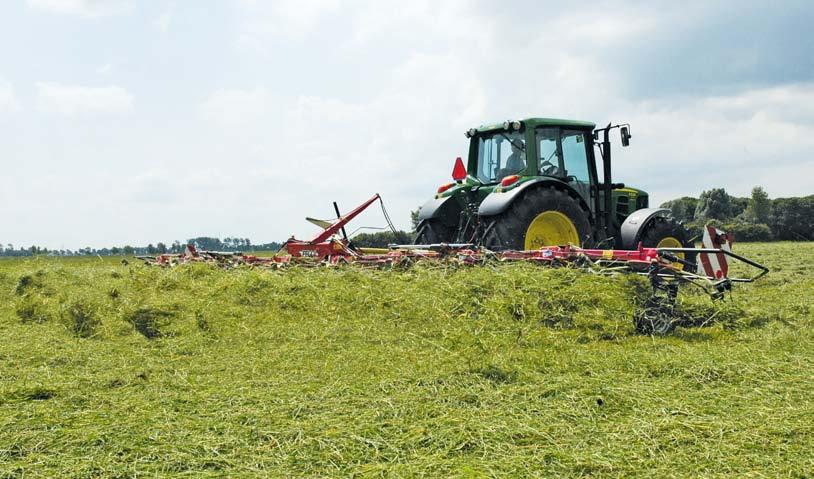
(433, 231)
(666, 232)
(543, 217)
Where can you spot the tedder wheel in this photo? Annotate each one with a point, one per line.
(666, 232)
(433, 231)
(542, 217)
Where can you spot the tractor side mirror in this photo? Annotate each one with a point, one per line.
(596, 135)
(625, 132)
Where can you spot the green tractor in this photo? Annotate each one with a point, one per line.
(535, 182)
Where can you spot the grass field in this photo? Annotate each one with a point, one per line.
(126, 371)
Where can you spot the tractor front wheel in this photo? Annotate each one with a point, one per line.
(542, 217)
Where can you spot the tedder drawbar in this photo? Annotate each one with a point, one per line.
(531, 192)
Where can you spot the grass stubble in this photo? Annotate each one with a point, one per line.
(514, 370)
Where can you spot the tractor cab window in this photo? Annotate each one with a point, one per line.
(547, 151)
(562, 153)
(576, 155)
(499, 155)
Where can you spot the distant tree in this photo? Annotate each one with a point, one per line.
(161, 248)
(128, 250)
(793, 218)
(114, 250)
(207, 243)
(414, 220)
(738, 206)
(714, 204)
(381, 239)
(759, 208)
(273, 246)
(683, 209)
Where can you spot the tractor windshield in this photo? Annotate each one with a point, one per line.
(500, 154)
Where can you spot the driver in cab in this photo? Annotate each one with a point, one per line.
(516, 162)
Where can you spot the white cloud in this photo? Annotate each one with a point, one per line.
(8, 99)
(737, 141)
(73, 99)
(82, 8)
(236, 107)
(150, 187)
(104, 69)
(163, 21)
(287, 19)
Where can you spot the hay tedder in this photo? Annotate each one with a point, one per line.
(666, 267)
(532, 195)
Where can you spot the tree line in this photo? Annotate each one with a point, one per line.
(756, 218)
(201, 242)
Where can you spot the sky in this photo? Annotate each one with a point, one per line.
(134, 122)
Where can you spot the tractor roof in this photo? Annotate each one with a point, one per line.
(534, 122)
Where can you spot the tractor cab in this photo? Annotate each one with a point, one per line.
(535, 148)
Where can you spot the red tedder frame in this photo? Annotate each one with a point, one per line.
(325, 245)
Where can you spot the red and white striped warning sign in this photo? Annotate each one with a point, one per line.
(715, 265)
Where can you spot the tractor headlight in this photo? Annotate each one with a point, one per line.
(510, 125)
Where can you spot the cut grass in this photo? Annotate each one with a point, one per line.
(506, 371)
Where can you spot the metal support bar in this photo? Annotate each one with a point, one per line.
(763, 269)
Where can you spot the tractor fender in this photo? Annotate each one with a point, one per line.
(635, 224)
(446, 209)
(496, 203)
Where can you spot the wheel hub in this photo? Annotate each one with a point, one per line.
(551, 228)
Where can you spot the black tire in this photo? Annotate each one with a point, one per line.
(507, 231)
(433, 231)
(660, 229)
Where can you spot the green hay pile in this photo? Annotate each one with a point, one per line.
(516, 370)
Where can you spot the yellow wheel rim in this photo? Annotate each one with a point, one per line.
(671, 242)
(551, 228)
